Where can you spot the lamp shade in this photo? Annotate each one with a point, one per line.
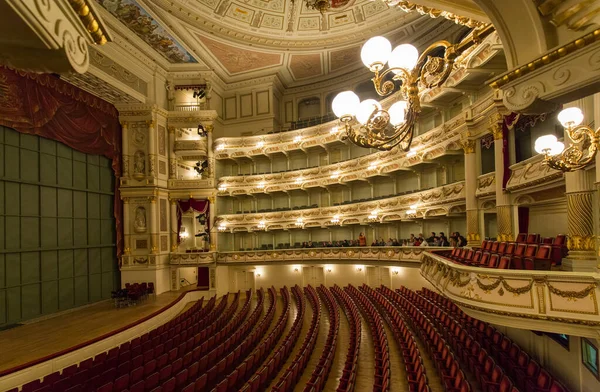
(345, 104)
(545, 143)
(557, 148)
(397, 113)
(404, 56)
(570, 117)
(375, 52)
(366, 109)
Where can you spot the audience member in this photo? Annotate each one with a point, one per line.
(362, 240)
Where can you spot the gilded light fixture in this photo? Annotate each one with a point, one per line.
(262, 225)
(385, 129)
(299, 222)
(335, 220)
(580, 153)
(222, 227)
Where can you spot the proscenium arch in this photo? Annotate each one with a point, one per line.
(524, 34)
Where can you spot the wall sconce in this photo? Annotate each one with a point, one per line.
(183, 234)
(373, 217)
(222, 187)
(262, 225)
(411, 153)
(395, 271)
(359, 268)
(373, 166)
(298, 180)
(299, 222)
(335, 220)
(335, 174)
(261, 185)
(412, 210)
(334, 130)
(222, 227)
(328, 270)
(574, 157)
(298, 139)
(258, 275)
(260, 144)
(296, 270)
(220, 147)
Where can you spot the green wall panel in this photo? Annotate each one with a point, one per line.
(57, 236)
(31, 301)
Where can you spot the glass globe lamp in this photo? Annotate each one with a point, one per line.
(375, 53)
(570, 117)
(397, 113)
(345, 105)
(548, 144)
(366, 109)
(404, 56)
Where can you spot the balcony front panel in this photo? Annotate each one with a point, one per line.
(362, 255)
(532, 173)
(191, 150)
(551, 301)
(486, 185)
(441, 201)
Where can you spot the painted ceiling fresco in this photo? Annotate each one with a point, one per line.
(138, 20)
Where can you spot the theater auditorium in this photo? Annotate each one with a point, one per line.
(299, 195)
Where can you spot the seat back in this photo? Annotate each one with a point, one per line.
(485, 257)
(533, 369)
(504, 262)
(510, 248)
(520, 249)
(488, 365)
(531, 250)
(521, 237)
(477, 256)
(502, 247)
(484, 244)
(488, 245)
(561, 239)
(543, 252)
(493, 263)
(469, 255)
(548, 240)
(522, 359)
(494, 247)
(533, 238)
(505, 384)
(543, 379)
(557, 387)
(497, 374)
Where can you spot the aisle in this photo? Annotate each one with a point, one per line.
(365, 374)
(298, 343)
(319, 347)
(398, 381)
(343, 340)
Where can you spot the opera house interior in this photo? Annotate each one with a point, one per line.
(299, 195)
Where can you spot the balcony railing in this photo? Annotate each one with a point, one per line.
(191, 107)
(191, 147)
(551, 301)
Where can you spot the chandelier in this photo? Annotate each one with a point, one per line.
(580, 153)
(366, 123)
(319, 5)
(335, 221)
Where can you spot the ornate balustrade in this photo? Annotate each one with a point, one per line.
(552, 301)
(486, 184)
(237, 147)
(440, 201)
(531, 173)
(192, 184)
(192, 258)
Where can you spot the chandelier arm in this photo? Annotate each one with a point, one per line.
(387, 87)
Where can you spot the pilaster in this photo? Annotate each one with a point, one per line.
(473, 233)
(172, 157)
(504, 209)
(174, 232)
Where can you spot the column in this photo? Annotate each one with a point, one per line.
(504, 209)
(153, 225)
(125, 149)
(172, 157)
(212, 233)
(209, 146)
(581, 241)
(151, 149)
(174, 231)
(126, 226)
(473, 237)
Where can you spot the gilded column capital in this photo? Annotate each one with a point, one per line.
(174, 201)
(125, 200)
(468, 145)
(171, 129)
(211, 199)
(150, 123)
(124, 124)
(209, 128)
(152, 199)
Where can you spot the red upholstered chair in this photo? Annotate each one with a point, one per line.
(530, 372)
(492, 378)
(485, 258)
(559, 249)
(494, 247)
(488, 366)
(505, 262)
(476, 257)
(533, 238)
(539, 383)
(521, 237)
(510, 248)
(505, 385)
(493, 262)
(541, 260)
(555, 386)
(547, 240)
(502, 247)
(484, 244)
(488, 245)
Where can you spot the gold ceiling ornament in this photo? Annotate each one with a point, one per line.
(575, 14)
(408, 6)
(579, 153)
(385, 129)
(89, 17)
(318, 5)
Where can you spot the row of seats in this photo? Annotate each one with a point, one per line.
(291, 375)
(249, 379)
(507, 255)
(320, 373)
(498, 363)
(558, 244)
(413, 363)
(381, 381)
(348, 378)
(154, 344)
(261, 379)
(132, 294)
(443, 355)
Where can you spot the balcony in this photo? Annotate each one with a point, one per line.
(191, 150)
(550, 301)
(532, 173)
(441, 201)
(486, 185)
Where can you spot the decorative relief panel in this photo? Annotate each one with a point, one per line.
(532, 172)
(164, 243)
(162, 143)
(486, 184)
(162, 167)
(141, 244)
(163, 215)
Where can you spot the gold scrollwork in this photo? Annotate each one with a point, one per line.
(571, 295)
(487, 288)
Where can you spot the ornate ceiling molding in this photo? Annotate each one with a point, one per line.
(577, 15)
(408, 6)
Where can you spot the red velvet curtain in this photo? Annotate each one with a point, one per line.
(44, 105)
(203, 278)
(523, 215)
(201, 206)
